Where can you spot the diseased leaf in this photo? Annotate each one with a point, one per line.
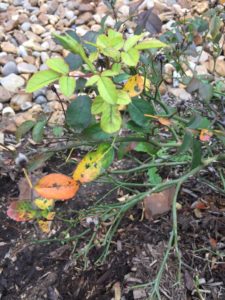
(107, 90)
(58, 65)
(45, 226)
(134, 85)
(78, 114)
(21, 211)
(43, 203)
(111, 119)
(24, 128)
(41, 79)
(94, 164)
(67, 85)
(56, 186)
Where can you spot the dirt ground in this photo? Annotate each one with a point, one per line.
(33, 269)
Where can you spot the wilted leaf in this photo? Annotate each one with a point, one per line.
(149, 21)
(134, 85)
(45, 226)
(205, 135)
(161, 120)
(57, 186)
(94, 164)
(43, 203)
(158, 203)
(21, 211)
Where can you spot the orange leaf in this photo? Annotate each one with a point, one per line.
(57, 186)
(161, 120)
(213, 243)
(134, 85)
(205, 135)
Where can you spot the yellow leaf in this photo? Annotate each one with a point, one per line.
(43, 203)
(50, 216)
(134, 85)
(94, 163)
(45, 226)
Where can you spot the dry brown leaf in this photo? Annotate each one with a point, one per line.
(158, 203)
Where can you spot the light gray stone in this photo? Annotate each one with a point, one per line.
(1, 106)
(4, 6)
(26, 68)
(21, 101)
(25, 26)
(8, 112)
(40, 100)
(22, 51)
(12, 82)
(9, 68)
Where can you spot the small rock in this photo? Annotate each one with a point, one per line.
(1, 106)
(29, 59)
(180, 93)
(8, 47)
(86, 7)
(44, 56)
(4, 95)
(20, 101)
(26, 68)
(37, 29)
(32, 45)
(33, 18)
(22, 51)
(51, 9)
(12, 82)
(96, 27)
(51, 96)
(82, 30)
(11, 24)
(19, 36)
(43, 18)
(201, 7)
(220, 66)
(8, 112)
(26, 26)
(139, 294)
(168, 70)
(69, 14)
(45, 45)
(124, 10)
(3, 6)
(9, 68)
(110, 22)
(56, 118)
(40, 100)
(84, 18)
(18, 2)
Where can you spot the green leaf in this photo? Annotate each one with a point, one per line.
(107, 90)
(205, 91)
(153, 176)
(94, 132)
(123, 98)
(146, 147)
(24, 128)
(137, 108)
(131, 57)
(150, 44)
(92, 80)
(196, 154)
(98, 105)
(111, 119)
(38, 131)
(74, 61)
(67, 85)
(58, 131)
(116, 68)
(214, 26)
(58, 64)
(198, 122)
(187, 142)
(130, 42)
(111, 52)
(78, 114)
(113, 40)
(38, 160)
(69, 43)
(41, 79)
